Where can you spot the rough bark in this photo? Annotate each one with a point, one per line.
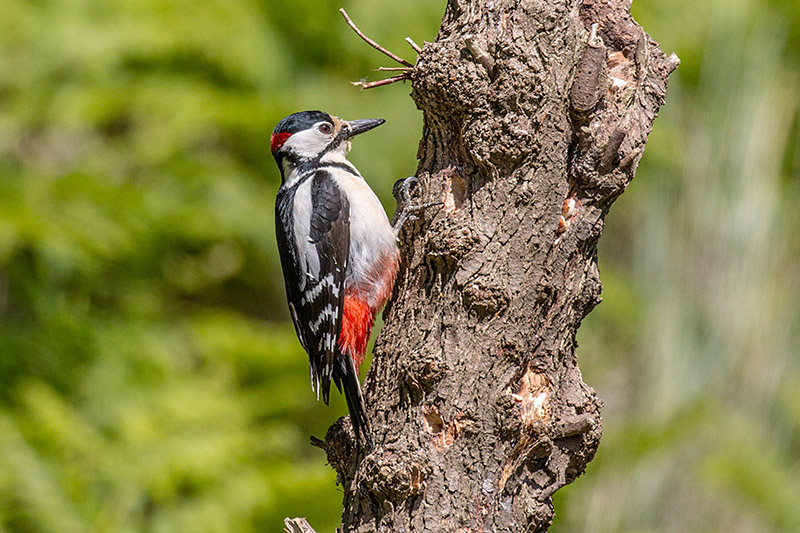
(478, 409)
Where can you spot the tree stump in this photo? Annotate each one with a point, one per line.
(535, 117)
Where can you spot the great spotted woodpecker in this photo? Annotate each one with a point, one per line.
(338, 250)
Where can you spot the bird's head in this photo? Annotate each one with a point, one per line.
(315, 136)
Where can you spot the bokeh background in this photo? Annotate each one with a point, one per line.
(149, 378)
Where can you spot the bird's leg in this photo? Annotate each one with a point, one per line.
(405, 209)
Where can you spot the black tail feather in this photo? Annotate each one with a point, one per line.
(346, 375)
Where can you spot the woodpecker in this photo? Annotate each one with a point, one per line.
(338, 250)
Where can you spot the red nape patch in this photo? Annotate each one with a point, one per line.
(277, 140)
(357, 319)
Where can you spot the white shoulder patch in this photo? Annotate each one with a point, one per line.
(307, 252)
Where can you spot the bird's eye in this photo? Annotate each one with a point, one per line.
(325, 128)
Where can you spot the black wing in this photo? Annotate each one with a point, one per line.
(314, 271)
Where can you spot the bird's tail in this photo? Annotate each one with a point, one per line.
(346, 379)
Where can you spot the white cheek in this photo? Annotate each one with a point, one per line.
(307, 143)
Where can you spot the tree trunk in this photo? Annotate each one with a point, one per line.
(534, 124)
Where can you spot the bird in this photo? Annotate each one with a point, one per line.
(338, 251)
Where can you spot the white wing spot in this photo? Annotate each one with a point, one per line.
(331, 341)
(312, 294)
(329, 312)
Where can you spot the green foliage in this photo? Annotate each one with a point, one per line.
(149, 378)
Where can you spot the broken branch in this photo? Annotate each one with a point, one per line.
(413, 45)
(297, 525)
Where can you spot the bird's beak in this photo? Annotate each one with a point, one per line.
(354, 127)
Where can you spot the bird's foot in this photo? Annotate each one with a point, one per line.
(405, 209)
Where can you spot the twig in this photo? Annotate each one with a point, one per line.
(371, 84)
(413, 45)
(406, 69)
(297, 525)
(372, 43)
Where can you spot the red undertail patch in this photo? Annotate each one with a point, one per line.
(357, 320)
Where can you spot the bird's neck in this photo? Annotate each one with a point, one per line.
(295, 169)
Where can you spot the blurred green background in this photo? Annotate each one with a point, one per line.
(149, 379)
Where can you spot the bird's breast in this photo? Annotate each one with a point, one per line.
(373, 249)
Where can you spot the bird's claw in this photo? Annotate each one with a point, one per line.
(405, 210)
(402, 190)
